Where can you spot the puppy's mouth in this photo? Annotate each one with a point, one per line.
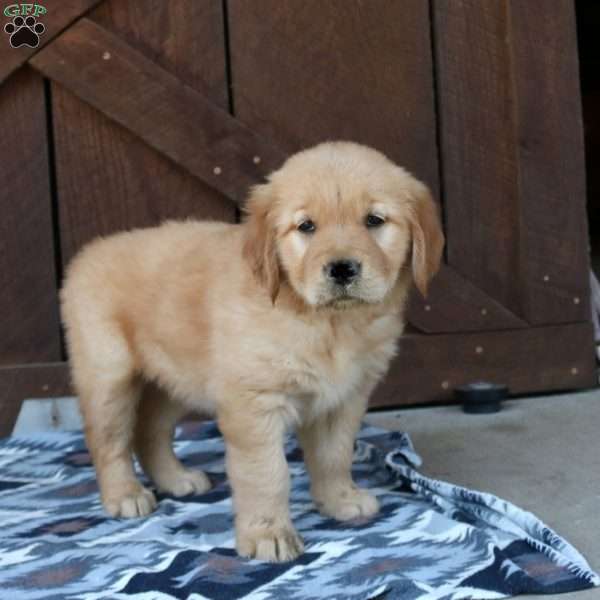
(343, 297)
(344, 302)
(361, 291)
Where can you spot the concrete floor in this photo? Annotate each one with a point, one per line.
(541, 453)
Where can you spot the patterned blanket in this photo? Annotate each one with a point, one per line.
(432, 540)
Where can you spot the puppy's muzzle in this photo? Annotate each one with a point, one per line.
(343, 272)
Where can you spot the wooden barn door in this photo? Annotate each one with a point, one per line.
(133, 111)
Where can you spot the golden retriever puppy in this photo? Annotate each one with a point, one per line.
(286, 321)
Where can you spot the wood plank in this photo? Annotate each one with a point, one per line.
(426, 369)
(28, 305)
(454, 304)
(305, 72)
(551, 159)
(58, 18)
(538, 359)
(20, 382)
(109, 180)
(138, 187)
(478, 140)
(512, 153)
(186, 38)
(153, 104)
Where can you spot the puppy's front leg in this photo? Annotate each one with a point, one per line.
(328, 445)
(258, 473)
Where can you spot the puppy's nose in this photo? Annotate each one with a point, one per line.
(343, 271)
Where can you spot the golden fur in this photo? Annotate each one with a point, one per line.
(244, 323)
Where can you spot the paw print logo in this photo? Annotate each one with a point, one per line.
(24, 32)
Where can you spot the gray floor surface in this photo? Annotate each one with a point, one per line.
(542, 454)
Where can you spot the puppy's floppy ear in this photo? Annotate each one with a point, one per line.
(427, 236)
(259, 244)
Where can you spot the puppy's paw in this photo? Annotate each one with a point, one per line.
(134, 501)
(348, 504)
(271, 543)
(184, 482)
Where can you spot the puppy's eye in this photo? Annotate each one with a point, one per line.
(374, 220)
(307, 226)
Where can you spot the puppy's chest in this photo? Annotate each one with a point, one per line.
(325, 367)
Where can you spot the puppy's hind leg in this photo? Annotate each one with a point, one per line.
(157, 417)
(109, 410)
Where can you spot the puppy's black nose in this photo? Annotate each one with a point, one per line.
(343, 271)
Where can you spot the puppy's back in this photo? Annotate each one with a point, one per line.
(117, 282)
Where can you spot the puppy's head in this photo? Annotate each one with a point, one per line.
(338, 222)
